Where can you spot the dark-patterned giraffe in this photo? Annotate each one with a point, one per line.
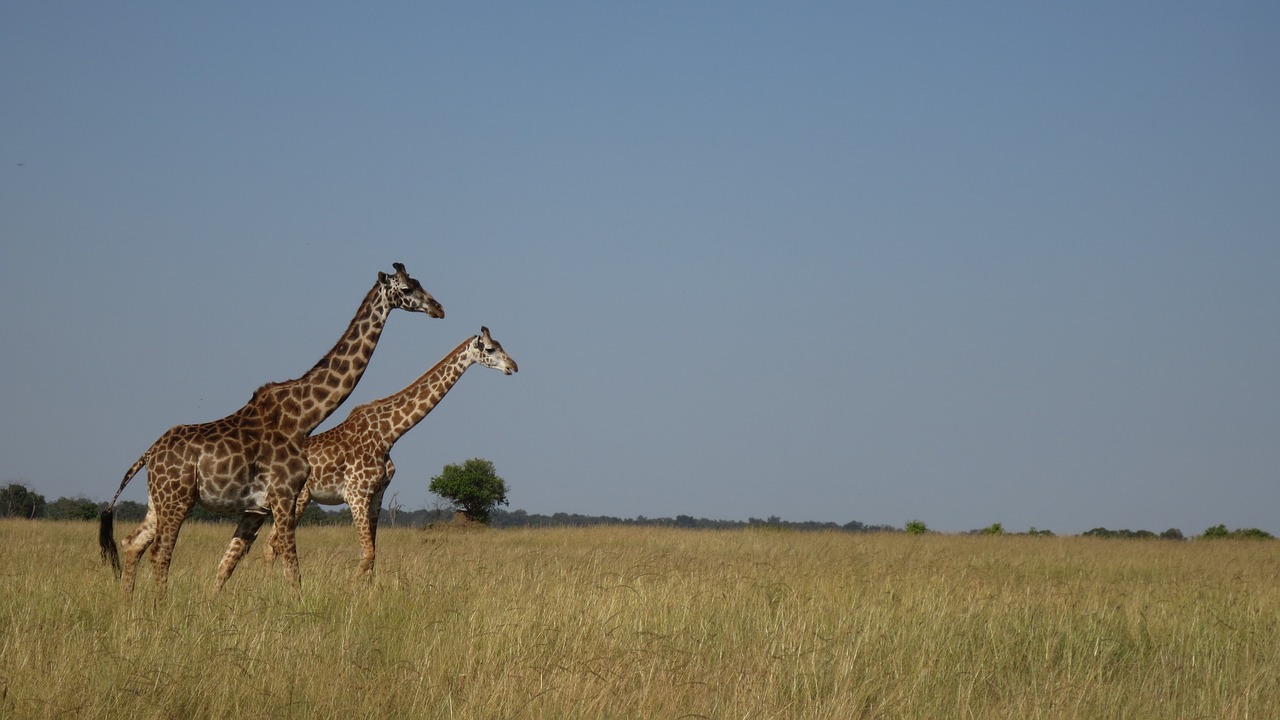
(351, 462)
(252, 463)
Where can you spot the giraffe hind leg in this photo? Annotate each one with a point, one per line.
(168, 523)
(134, 546)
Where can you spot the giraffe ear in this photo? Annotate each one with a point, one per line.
(382, 277)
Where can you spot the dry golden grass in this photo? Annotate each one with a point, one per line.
(644, 622)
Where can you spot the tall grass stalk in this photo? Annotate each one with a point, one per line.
(647, 622)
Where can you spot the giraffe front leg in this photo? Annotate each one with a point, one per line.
(368, 530)
(375, 511)
(300, 507)
(364, 530)
(269, 548)
(284, 539)
(241, 541)
(364, 496)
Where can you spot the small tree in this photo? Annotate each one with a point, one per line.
(473, 487)
(1217, 531)
(78, 508)
(993, 529)
(917, 527)
(17, 500)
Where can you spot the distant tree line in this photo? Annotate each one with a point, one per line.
(1126, 534)
(521, 518)
(1215, 532)
(19, 501)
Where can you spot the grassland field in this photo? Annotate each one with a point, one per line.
(618, 622)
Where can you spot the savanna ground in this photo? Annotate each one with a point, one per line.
(611, 622)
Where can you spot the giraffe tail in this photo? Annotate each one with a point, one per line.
(107, 539)
(106, 521)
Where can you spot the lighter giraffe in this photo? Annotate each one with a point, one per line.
(251, 463)
(351, 462)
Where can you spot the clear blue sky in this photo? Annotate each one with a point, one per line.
(958, 262)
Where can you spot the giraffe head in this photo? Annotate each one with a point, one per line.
(407, 293)
(488, 352)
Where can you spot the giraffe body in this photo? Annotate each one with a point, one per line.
(252, 463)
(351, 462)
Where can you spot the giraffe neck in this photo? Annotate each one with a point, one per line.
(306, 402)
(408, 407)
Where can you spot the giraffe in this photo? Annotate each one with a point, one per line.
(351, 462)
(251, 462)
